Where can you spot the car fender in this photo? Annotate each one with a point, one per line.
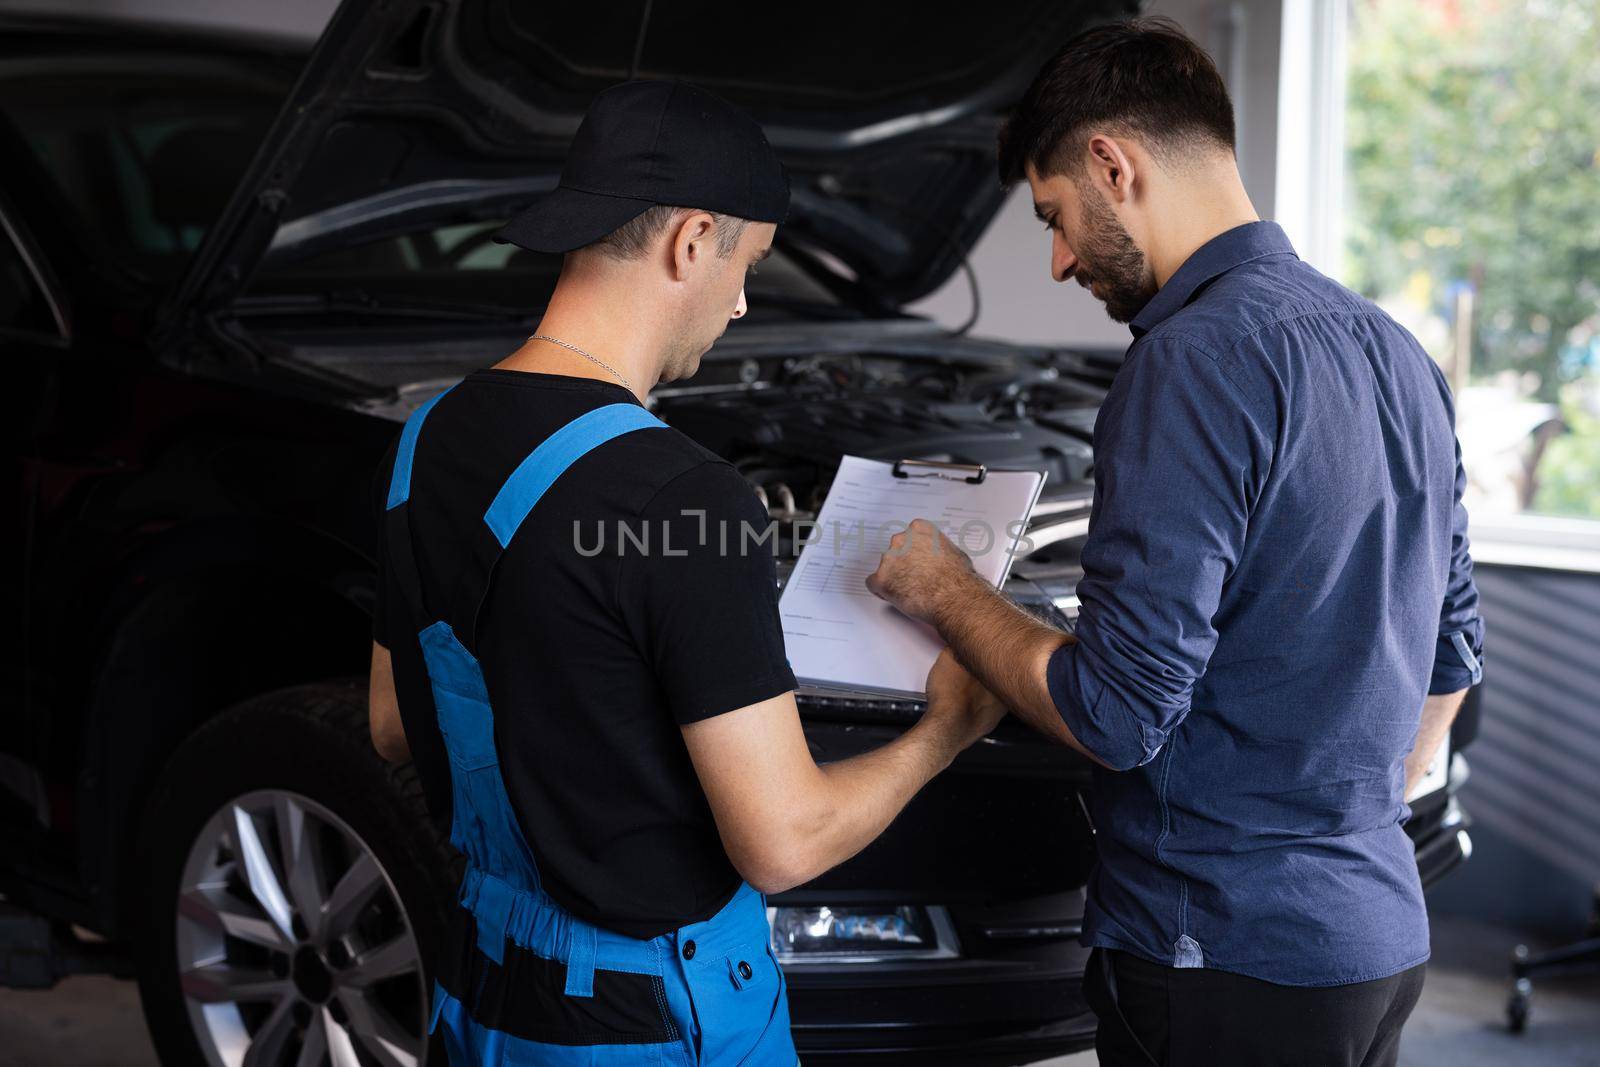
(201, 618)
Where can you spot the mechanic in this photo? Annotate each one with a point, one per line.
(642, 779)
(1278, 616)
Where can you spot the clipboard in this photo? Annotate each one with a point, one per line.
(971, 473)
(841, 637)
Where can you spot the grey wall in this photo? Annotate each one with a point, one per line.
(1534, 792)
(1012, 261)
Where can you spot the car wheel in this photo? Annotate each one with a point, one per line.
(292, 888)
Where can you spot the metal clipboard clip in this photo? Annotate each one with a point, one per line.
(971, 473)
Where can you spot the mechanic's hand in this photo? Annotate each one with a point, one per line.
(920, 571)
(959, 703)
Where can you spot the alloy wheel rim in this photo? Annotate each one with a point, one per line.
(293, 947)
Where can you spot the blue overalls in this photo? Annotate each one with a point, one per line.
(710, 993)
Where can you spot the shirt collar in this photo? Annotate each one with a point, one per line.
(1217, 256)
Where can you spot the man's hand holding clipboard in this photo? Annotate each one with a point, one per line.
(923, 570)
(838, 634)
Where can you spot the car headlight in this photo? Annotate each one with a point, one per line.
(865, 934)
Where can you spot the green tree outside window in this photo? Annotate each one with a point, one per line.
(1474, 167)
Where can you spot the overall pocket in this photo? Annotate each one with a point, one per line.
(740, 1001)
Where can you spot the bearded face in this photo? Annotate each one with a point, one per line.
(1110, 264)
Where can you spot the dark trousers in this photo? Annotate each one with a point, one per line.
(1155, 1016)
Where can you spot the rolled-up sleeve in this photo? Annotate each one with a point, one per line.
(1179, 459)
(1458, 659)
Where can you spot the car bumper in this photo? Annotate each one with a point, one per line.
(968, 1014)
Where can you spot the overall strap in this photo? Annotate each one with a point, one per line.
(397, 517)
(538, 471)
(522, 490)
(485, 827)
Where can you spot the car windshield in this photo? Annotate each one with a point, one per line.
(460, 264)
(143, 167)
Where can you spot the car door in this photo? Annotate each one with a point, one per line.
(115, 167)
(34, 332)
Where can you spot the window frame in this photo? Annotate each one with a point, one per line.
(1313, 103)
(49, 286)
(1308, 191)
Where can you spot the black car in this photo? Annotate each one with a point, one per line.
(227, 271)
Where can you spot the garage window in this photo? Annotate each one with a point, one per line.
(1472, 152)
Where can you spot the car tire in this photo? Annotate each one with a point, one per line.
(292, 885)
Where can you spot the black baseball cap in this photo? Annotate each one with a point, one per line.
(644, 143)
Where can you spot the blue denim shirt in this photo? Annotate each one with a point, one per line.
(1275, 576)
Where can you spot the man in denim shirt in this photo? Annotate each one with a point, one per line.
(1278, 616)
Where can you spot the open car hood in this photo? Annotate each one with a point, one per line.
(884, 113)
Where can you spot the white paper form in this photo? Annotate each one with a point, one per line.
(838, 634)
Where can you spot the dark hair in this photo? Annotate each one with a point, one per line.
(1144, 77)
(633, 238)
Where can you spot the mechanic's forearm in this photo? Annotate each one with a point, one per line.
(1438, 713)
(383, 709)
(1007, 650)
(855, 800)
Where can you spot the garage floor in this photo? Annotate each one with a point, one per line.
(95, 1022)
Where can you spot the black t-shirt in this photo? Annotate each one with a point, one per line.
(593, 659)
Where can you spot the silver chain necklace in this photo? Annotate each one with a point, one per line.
(597, 362)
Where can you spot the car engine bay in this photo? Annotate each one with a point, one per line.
(785, 422)
(784, 405)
